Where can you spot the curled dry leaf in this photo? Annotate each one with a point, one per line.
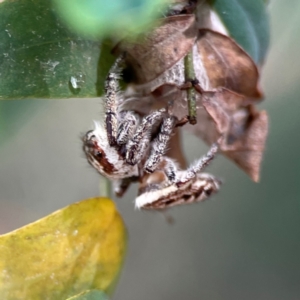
(155, 60)
(227, 64)
(244, 129)
(247, 151)
(227, 76)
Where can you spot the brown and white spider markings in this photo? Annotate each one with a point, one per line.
(129, 146)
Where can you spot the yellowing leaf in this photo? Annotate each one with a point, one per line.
(90, 295)
(75, 249)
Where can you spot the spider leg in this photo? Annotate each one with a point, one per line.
(128, 124)
(199, 165)
(171, 170)
(120, 186)
(111, 100)
(160, 144)
(137, 146)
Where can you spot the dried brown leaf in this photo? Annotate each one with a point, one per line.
(227, 64)
(151, 54)
(226, 74)
(247, 151)
(244, 129)
(175, 150)
(220, 112)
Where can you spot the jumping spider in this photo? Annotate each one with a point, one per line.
(130, 147)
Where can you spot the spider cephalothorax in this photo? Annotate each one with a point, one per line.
(128, 146)
(108, 160)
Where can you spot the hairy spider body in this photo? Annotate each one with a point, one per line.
(129, 146)
(124, 142)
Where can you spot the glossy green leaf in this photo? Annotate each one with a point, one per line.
(108, 18)
(41, 58)
(248, 23)
(75, 249)
(90, 295)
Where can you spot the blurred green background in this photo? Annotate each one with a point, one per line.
(242, 244)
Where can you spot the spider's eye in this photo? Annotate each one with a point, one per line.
(98, 154)
(90, 138)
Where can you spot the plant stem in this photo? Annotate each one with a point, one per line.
(105, 187)
(189, 74)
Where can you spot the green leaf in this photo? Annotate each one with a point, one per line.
(248, 23)
(108, 18)
(75, 249)
(90, 295)
(41, 58)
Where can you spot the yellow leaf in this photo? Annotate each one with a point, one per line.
(90, 295)
(77, 248)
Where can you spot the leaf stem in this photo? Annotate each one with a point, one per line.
(105, 187)
(190, 76)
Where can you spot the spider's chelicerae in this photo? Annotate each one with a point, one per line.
(129, 147)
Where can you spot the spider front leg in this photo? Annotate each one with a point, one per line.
(127, 126)
(199, 165)
(160, 144)
(138, 145)
(111, 101)
(171, 169)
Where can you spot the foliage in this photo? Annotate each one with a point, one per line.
(44, 58)
(46, 53)
(77, 248)
(248, 23)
